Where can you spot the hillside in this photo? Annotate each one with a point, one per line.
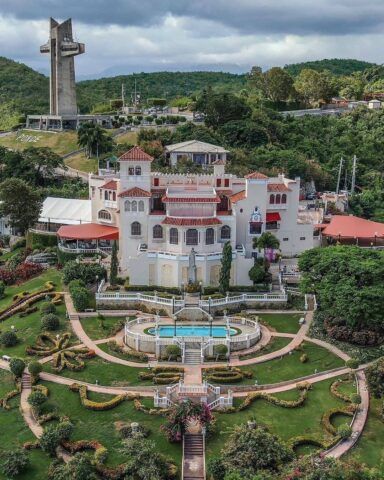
(337, 66)
(158, 84)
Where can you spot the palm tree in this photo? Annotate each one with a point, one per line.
(93, 138)
(266, 240)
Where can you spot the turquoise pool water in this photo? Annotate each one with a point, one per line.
(192, 331)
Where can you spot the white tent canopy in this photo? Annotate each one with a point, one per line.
(66, 211)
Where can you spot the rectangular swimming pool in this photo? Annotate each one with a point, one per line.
(218, 331)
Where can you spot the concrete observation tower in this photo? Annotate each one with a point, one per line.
(62, 49)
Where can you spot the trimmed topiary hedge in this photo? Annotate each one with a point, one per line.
(99, 406)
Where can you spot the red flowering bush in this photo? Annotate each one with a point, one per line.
(21, 273)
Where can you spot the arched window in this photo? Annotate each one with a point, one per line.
(272, 198)
(135, 228)
(138, 171)
(104, 215)
(141, 205)
(157, 231)
(114, 196)
(225, 232)
(173, 236)
(134, 206)
(209, 236)
(106, 195)
(278, 199)
(284, 198)
(127, 206)
(131, 170)
(192, 236)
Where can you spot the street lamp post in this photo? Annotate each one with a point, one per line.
(97, 283)
(200, 289)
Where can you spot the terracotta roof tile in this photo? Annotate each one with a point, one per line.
(136, 153)
(278, 187)
(257, 176)
(135, 192)
(111, 185)
(215, 199)
(236, 197)
(191, 222)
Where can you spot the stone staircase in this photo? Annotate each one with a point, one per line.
(26, 381)
(193, 457)
(192, 357)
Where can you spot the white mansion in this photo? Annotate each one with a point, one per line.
(159, 218)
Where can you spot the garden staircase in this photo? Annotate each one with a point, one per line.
(192, 356)
(26, 381)
(193, 457)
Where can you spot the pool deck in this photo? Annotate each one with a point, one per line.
(141, 327)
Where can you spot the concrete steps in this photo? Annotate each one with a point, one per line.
(193, 459)
(192, 357)
(26, 381)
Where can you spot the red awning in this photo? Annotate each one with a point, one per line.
(88, 231)
(273, 217)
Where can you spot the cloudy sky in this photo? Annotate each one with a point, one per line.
(123, 36)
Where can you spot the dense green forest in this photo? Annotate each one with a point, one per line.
(337, 66)
(25, 91)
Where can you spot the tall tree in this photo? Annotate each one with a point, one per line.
(266, 240)
(21, 203)
(276, 84)
(114, 265)
(44, 163)
(314, 86)
(225, 272)
(93, 138)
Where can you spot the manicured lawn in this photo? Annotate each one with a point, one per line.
(287, 423)
(60, 143)
(32, 285)
(105, 372)
(129, 137)
(289, 367)
(105, 347)
(14, 433)
(101, 426)
(28, 328)
(369, 449)
(283, 323)
(97, 330)
(82, 163)
(275, 344)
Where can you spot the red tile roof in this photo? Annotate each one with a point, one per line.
(349, 226)
(136, 153)
(236, 197)
(191, 222)
(215, 199)
(111, 185)
(135, 192)
(256, 175)
(278, 187)
(88, 231)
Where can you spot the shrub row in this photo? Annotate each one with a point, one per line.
(227, 375)
(150, 411)
(13, 393)
(326, 419)
(99, 406)
(152, 288)
(252, 397)
(71, 359)
(132, 355)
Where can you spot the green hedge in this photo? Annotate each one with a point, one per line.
(152, 288)
(37, 240)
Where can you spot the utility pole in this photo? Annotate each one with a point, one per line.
(353, 174)
(346, 180)
(339, 175)
(123, 94)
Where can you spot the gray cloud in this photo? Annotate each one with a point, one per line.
(299, 17)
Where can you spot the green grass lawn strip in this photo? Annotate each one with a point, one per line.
(97, 331)
(287, 423)
(289, 367)
(281, 322)
(14, 432)
(31, 286)
(106, 373)
(369, 448)
(100, 425)
(28, 328)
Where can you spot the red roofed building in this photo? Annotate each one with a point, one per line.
(158, 218)
(349, 229)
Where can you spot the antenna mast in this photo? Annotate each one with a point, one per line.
(339, 175)
(353, 174)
